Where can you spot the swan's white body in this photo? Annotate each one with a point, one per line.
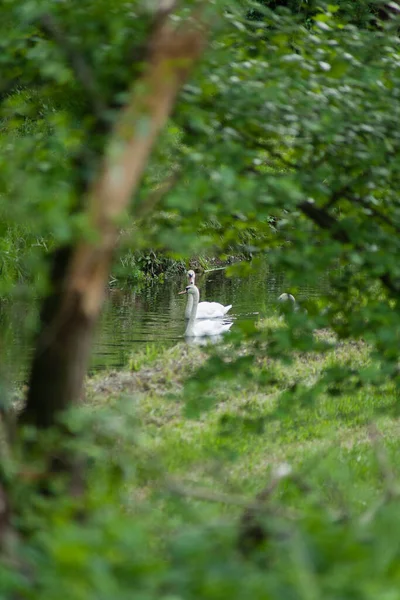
(205, 310)
(196, 328)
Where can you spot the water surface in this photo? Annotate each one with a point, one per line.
(133, 319)
(155, 314)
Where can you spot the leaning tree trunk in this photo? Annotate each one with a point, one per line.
(80, 273)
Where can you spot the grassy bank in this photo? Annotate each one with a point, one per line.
(307, 484)
(236, 445)
(139, 267)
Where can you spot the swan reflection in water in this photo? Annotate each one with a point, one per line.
(204, 341)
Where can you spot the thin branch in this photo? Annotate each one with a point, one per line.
(252, 530)
(7, 427)
(264, 145)
(156, 195)
(329, 223)
(206, 495)
(324, 220)
(341, 192)
(389, 478)
(344, 192)
(202, 493)
(377, 214)
(78, 64)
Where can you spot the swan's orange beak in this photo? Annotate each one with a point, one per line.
(184, 292)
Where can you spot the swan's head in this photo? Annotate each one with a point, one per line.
(192, 275)
(288, 303)
(189, 289)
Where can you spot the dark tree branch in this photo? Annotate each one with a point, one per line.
(342, 192)
(378, 214)
(325, 221)
(78, 64)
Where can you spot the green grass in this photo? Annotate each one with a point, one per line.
(166, 494)
(251, 429)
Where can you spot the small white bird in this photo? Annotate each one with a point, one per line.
(202, 328)
(205, 310)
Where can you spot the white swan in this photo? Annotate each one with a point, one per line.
(205, 310)
(201, 328)
(289, 301)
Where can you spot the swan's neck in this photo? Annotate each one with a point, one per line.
(189, 306)
(193, 312)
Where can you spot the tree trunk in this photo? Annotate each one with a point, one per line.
(61, 350)
(80, 274)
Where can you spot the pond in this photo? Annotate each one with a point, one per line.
(132, 320)
(155, 314)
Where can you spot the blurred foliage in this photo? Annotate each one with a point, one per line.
(285, 145)
(164, 497)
